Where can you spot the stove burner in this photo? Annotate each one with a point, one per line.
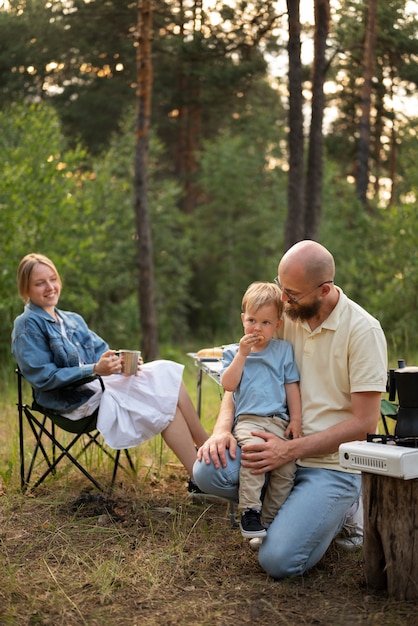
(408, 442)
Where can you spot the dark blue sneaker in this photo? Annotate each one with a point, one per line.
(251, 525)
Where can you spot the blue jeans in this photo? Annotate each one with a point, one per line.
(306, 523)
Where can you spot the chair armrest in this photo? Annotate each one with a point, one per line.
(84, 381)
(74, 385)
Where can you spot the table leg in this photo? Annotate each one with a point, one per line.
(199, 392)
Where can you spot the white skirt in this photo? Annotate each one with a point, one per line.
(133, 409)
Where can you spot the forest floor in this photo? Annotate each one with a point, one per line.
(148, 556)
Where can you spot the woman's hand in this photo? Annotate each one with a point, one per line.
(109, 363)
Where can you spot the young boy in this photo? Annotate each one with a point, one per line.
(262, 374)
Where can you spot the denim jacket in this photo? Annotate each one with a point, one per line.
(49, 360)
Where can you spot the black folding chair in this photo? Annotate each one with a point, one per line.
(49, 450)
(388, 410)
(388, 407)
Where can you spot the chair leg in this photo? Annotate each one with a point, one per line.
(385, 425)
(129, 459)
(65, 452)
(38, 445)
(21, 434)
(118, 464)
(115, 469)
(21, 448)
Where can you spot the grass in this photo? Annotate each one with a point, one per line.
(147, 556)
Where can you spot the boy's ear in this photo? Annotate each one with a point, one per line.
(242, 318)
(279, 323)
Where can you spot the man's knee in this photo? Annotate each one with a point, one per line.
(222, 482)
(203, 475)
(279, 563)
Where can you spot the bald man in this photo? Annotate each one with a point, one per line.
(340, 350)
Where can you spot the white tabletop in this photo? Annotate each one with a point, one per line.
(210, 366)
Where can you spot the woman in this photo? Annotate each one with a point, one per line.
(55, 348)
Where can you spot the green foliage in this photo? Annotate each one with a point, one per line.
(82, 57)
(111, 189)
(238, 231)
(38, 207)
(397, 288)
(395, 76)
(78, 208)
(377, 259)
(80, 212)
(81, 215)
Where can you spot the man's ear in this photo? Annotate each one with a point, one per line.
(325, 289)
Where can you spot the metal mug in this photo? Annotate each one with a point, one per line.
(130, 360)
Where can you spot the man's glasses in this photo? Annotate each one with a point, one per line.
(292, 298)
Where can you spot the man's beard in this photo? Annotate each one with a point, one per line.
(302, 312)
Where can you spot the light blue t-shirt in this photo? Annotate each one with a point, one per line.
(261, 389)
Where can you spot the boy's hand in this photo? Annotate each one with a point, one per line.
(294, 430)
(247, 342)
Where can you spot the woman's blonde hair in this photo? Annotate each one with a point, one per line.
(260, 294)
(25, 269)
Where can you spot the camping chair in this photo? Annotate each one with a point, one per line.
(388, 410)
(46, 425)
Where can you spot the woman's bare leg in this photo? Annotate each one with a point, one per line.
(185, 431)
(189, 413)
(178, 437)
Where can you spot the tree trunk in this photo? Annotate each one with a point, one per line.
(391, 535)
(145, 264)
(190, 113)
(295, 195)
(362, 178)
(189, 131)
(315, 155)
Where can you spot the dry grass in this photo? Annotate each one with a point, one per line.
(147, 556)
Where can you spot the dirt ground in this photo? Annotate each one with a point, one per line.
(148, 556)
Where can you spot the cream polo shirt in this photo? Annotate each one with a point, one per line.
(346, 354)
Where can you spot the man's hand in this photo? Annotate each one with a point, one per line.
(265, 456)
(214, 449)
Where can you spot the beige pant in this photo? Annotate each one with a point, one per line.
(280, 480)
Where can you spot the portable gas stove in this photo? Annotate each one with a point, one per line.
(382, 454)
(391, 455)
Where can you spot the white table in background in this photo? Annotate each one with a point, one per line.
(211, 367)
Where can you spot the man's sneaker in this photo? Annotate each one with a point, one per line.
(251, 525)
(255, 543)
(351, 535)
(197, 495)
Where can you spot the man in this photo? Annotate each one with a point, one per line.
(340, 351)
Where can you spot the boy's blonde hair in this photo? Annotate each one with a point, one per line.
(25, 269)
(260, 294)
